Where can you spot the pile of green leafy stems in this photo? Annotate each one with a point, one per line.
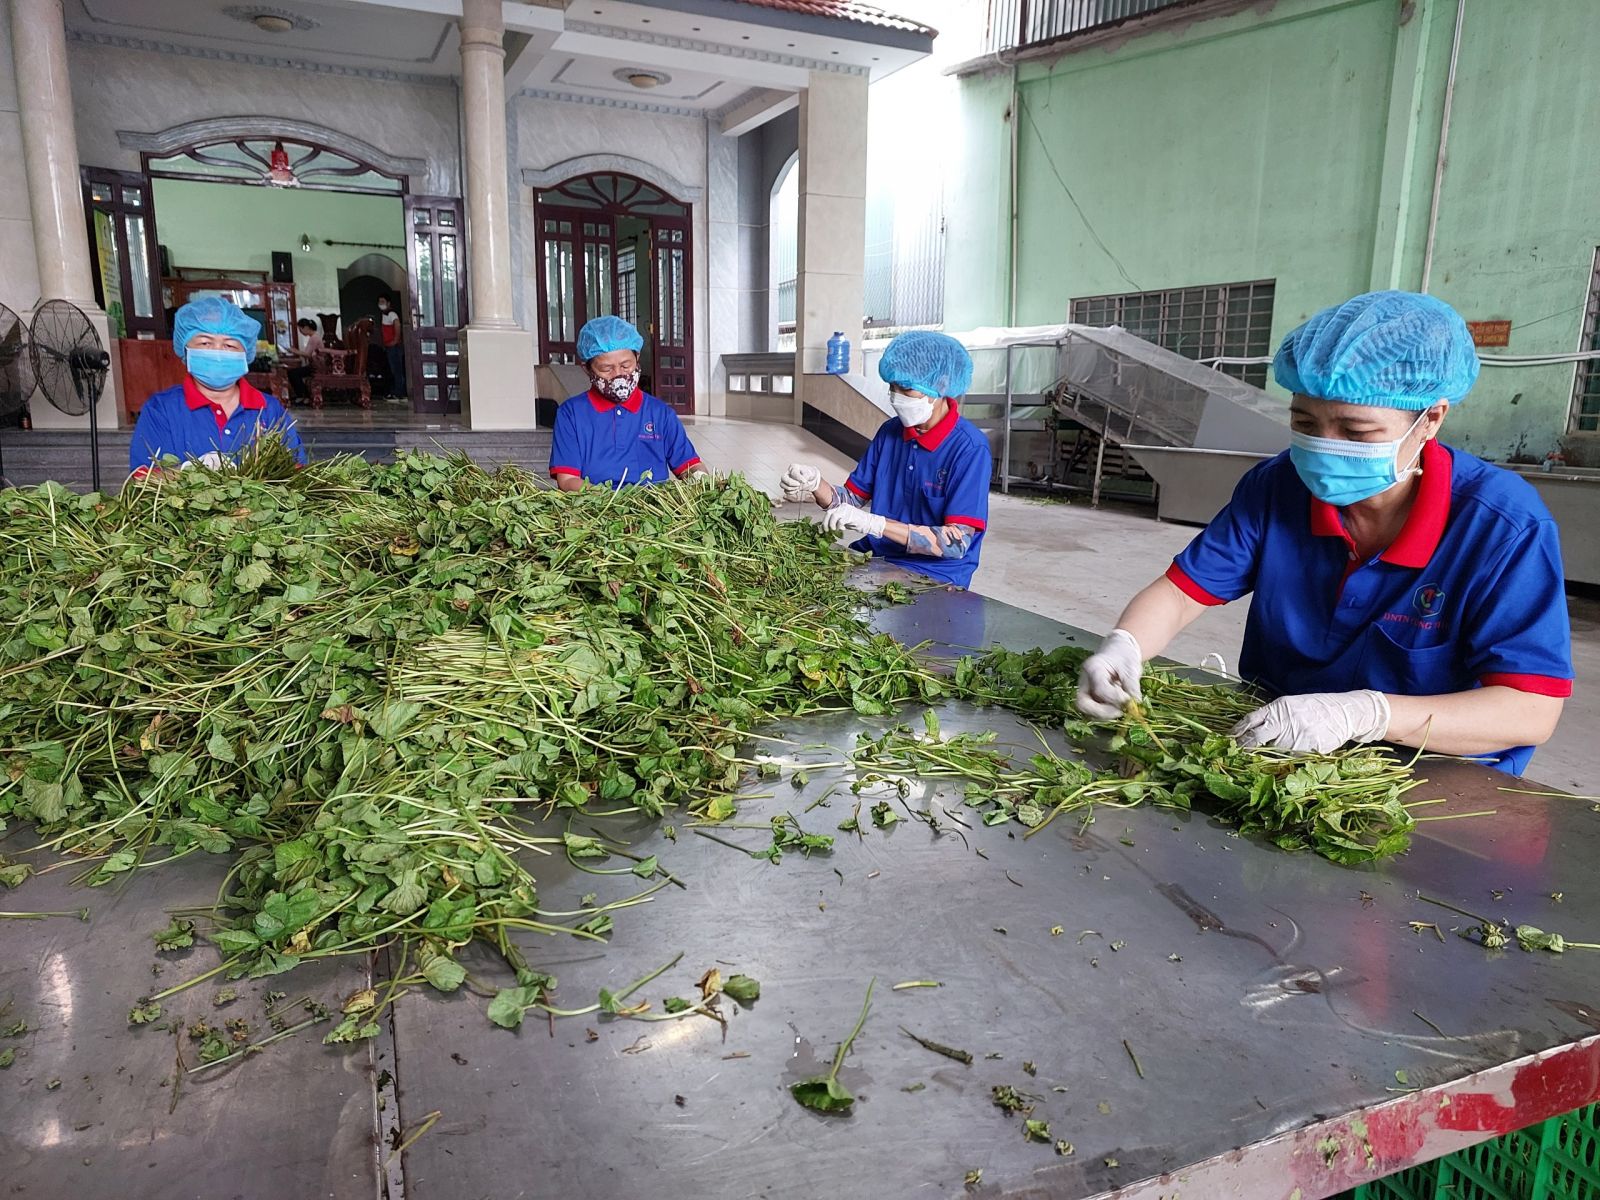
(374, 684)
(1171, 750)
(370, 682)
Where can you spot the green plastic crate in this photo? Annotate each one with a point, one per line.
(1558, 1160)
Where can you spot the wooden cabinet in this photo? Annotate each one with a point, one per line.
(148, 366)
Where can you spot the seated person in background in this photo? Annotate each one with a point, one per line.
(310, 347)
(614, 433)
(925, 473)
(213, 412)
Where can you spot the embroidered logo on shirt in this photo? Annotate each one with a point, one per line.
(1428, 599)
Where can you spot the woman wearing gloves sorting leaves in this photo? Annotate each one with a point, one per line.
(926, 473)
(1402, 591)
(214, 412)
(615, 433)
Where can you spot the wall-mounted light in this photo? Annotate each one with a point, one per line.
(305, 243)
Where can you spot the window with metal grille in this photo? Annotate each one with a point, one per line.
(1586, 390)
(1014, 24)
(1229, 320)
(627, 285)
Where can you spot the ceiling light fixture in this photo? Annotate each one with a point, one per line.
(640, 78)
(271, 23)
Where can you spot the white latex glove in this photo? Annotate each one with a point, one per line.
(1318, 722)
(211, 460)
(849, 519)
(1110, 677)
(799, 482)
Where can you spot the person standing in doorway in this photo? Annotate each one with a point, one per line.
(393, 348)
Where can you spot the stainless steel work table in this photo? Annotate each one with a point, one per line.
(1270, 999)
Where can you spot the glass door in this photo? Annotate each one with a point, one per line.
(122, 247)
(431, 331)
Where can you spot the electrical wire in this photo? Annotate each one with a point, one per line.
(1082, 216)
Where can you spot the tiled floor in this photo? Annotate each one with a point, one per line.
(1080, 566)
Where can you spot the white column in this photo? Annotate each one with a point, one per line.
(497, 365)
(483, 100)
(50, 151)
(830, 293)
(55, 198)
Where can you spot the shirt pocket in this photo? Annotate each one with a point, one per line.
(1434, 670)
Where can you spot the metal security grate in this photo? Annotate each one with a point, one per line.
(1586, 388)
(1229, 320)
(1014, 24)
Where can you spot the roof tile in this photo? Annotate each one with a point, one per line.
(844, 10)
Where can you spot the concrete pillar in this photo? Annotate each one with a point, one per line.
(830, 293)
(497, 366)
(55, 199)
(50, 151)
(721, 324)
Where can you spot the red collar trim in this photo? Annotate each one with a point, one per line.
(249, 397)
(934, 438)
(605, 404)
(1424, 526)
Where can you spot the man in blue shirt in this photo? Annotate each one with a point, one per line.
(213, 413)
(1402, 591)
(925, 474)
(615, 433)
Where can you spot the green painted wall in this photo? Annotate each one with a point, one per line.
(238, 227)
(1296, 141)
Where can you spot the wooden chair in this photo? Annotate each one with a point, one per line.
(345, 370)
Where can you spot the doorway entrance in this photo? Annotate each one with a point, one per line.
(299, 231)
(612, 244)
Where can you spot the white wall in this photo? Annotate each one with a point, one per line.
(547, 132)
(144, 92)
(19, 271)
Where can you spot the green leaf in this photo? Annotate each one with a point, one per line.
(578, 846)
(742, 988)
(175, 936)
(393, 718)
(884, 815)
(508, 1005)
(444, 972)
(600, 924)
(351, 1029)
(219, 747)
(301, 593)
(12, 874)
(144, 1014)
(1036, 1131)
(253, 576)
(7, 1057)
(676, 1004)
(823, 1094)
(647, 867)
(234, 941)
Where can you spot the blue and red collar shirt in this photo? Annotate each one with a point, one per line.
(936, 478)
(1470, 594)
(638, 441)
(181, 423)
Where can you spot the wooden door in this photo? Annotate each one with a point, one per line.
(120, 209)
(672, 329)
(436, 256)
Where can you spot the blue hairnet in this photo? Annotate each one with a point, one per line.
(934, 364)
(213, 314)
(1386, 349)
(605, 334)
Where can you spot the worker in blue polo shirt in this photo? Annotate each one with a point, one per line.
(1403, 591)
(615, 433)
(214, 412)
(925, 473)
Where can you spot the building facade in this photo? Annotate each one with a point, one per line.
(1214, 171)
(524, 166)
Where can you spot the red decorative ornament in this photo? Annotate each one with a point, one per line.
(279, 173)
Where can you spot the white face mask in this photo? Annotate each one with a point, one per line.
(912, 410)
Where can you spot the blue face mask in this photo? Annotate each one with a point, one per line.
(1340, 472)
(217, 368)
